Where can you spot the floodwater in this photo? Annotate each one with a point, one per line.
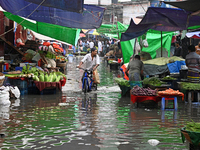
(100, 120)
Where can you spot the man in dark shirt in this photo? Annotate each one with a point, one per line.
(178, 50)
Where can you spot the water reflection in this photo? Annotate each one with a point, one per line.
(98, 120)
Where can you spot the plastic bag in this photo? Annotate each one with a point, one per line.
(96, 77)
(15, 91)
(145, 43)
(4, 96)
(137, 47)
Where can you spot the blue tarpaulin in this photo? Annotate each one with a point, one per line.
(91, 18)
(161, 19)
(176, 66)
(69, 5)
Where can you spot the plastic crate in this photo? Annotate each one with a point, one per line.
(18, 68)
(18, 82)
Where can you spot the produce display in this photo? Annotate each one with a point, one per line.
(112, 62)
(193, 126)
(168, 78)
(61, 58)
(153, 81)
(136, 90)
(39, 75)
(170, 92)
(190, 86)
(122, 82)
(50, 55)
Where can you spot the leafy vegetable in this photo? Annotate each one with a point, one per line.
(193, 126)
(168, 78)
(153, 81)
(122, 82)
(190, 86)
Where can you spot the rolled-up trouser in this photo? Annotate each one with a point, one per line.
(193, 76)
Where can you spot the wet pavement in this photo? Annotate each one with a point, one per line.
(100, 120)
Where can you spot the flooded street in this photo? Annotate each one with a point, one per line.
(100, 120)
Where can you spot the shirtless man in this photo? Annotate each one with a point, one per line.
(197, 48)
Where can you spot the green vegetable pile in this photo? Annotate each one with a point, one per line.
(39, 75)
(192, 126)
(122, 82)
(50, 55)
(153, 81)
(190, 86)
(168, 78)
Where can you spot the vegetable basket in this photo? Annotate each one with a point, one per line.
(192, 137)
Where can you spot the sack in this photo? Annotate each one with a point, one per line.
(96, 77)
(145, 43)
(137, 47)
(15, 91)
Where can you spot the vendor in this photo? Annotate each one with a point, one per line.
(178, 50)
(192, 61)
(135, 68)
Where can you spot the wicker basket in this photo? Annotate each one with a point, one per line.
(61, 64)
(186, 135)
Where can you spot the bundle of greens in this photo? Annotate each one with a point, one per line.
(190, 86)
(50, 55)
(122, 82)
(193, 126)
(153, 81)
(168, 78)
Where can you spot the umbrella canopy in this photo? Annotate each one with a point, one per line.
(82, 35)
(93, 32)
(161, 19)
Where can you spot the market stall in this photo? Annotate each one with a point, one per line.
(35, 80)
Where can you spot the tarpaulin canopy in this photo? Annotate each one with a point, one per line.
(91, 18)
(154, 41)
(126, 46)
(189, 5)
(195, 35)
(61, 33)
(69, 5)
(112, 29)
(161, 19)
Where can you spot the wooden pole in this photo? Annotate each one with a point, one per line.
(161, 43)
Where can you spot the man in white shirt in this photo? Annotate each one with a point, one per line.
(99, 47)
(91, 44)
(92, 60)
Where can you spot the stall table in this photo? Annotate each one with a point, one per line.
(139, 99)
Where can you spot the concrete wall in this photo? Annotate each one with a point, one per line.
(134, 10)
(95, 2)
